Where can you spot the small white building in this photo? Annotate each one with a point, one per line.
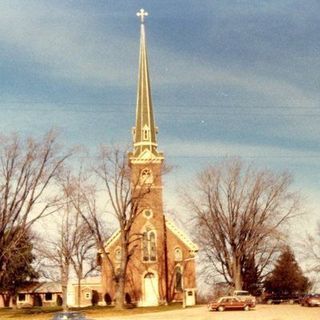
(88, 293)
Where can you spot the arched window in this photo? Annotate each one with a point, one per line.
(153, 252)
(178, 276)
(145, 249)
(149, 246)
(145, 132)
(117, 254)
(149, 275)
(146, 176)
(177, 254)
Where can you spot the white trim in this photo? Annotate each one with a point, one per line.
(146, 156)
(145, 143)
(114, 237)
(143, 161)
(182, 236)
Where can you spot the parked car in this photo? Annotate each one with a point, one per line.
(277, 298)
(310, 300)
(230, 303)
(66, 315)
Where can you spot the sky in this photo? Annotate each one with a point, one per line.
(229, 78)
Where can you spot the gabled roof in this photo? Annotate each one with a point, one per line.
(114, 237)
(170, 226)
(41, 287)
(182, 236)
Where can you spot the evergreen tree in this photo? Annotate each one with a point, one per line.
(287, 277)
(18, 269)
(250, 276)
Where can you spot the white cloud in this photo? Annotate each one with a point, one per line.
(222, 149)
(65, 44)
(190, 70)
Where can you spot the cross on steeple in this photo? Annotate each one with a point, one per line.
(145, 144)
(142, 14)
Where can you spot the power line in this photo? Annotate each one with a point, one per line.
(172, 111)
(195, 105)
(170, 156)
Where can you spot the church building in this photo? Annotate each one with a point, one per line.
(162, 266)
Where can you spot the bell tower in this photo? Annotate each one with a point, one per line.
(145, 160)
(146, 164)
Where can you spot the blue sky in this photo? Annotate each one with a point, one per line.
(232, 77)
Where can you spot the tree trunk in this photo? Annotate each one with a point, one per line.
(120, 289)
(79, 291)
(119, 296)
(237, 277)
(64, 285)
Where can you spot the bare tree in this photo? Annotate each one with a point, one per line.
(71, 246)
(56, 254)
(84, 255)
(124, 195)
(239, 212)
(310, 250)
(83, 195)
(28, 170)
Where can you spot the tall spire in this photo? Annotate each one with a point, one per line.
(144, 133)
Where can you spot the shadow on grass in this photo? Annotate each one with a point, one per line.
(46, 313)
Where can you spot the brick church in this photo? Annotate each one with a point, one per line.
(162, 266)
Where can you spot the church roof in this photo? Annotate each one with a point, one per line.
(113, 238)
(170, 226)
(145, 131)
(182, 236)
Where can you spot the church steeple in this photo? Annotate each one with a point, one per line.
(145, 131)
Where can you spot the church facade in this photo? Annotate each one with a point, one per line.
(162, 266)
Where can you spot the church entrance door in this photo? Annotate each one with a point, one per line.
(150, 290)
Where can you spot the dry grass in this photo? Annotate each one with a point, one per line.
(91, 312)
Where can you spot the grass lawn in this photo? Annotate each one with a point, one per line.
(91, 312)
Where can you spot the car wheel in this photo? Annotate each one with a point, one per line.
(246, 308)
(221, 308)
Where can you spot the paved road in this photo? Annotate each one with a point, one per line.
(261, 312)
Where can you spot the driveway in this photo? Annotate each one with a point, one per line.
(261, 312)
